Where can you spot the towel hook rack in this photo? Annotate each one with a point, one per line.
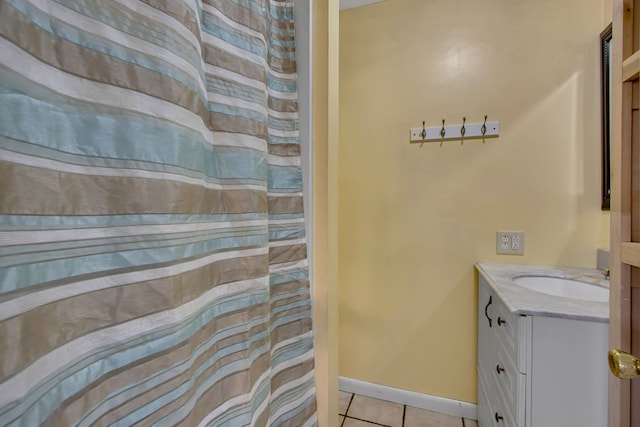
(457, 131)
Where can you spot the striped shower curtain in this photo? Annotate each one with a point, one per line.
(153, 265)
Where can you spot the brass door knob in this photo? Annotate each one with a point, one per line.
(623, 365)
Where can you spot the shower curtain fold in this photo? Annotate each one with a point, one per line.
(153, 261)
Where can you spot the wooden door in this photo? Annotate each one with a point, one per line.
(624, 325)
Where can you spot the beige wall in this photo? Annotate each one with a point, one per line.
(412, 220)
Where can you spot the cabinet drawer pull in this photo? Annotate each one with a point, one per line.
(499, 369)
(486, 314)
(499, 417)
(501, 321)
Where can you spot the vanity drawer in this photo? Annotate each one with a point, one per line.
(510, 383)
(511, 335)
(494, 408)
(502, 414)
(484, 401)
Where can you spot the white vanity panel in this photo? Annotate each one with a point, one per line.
(570, 371)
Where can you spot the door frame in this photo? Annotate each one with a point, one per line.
(625, 210)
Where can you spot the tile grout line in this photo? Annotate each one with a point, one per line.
(367, 421)
(346, 411)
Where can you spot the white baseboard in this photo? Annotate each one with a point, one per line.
(456, 408)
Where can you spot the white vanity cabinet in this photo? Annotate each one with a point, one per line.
(539, 371)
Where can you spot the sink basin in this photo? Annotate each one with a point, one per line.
(566, 288)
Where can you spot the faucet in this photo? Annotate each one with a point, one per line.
(606, 273)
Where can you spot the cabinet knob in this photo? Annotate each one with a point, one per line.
(501, 321)
(499, 369)
(499, 417)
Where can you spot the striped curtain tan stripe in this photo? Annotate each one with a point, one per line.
(153, 260)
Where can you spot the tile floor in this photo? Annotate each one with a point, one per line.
(362, 411)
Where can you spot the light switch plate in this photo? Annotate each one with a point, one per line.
(510, 242)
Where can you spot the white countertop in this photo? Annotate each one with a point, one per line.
(524, 301)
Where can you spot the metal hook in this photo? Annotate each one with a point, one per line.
(483, 129)
(463, 130)
(443, 131)
(423, 133)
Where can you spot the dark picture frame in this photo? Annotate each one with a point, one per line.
(605, 89)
